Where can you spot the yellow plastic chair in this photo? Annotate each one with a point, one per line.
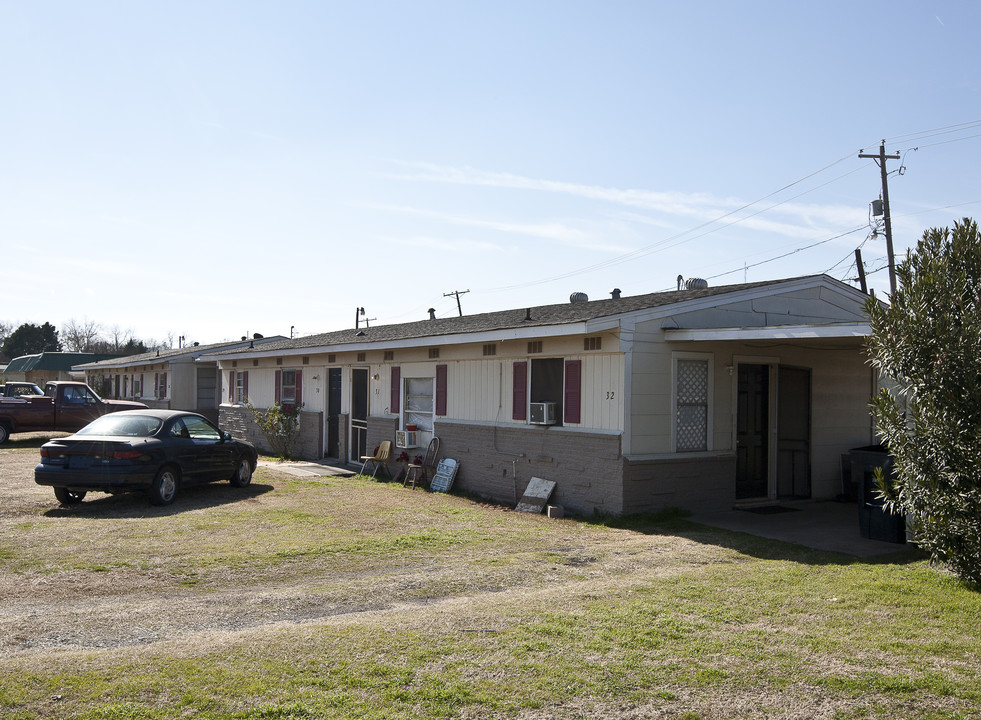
(379, 459)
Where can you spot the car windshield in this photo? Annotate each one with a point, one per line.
(122, 425)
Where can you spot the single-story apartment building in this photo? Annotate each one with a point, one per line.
(698, 398)
(170, 379)
(42, 367)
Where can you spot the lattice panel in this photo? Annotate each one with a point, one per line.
(692, 418)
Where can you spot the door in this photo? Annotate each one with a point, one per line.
(333, 412)
(203, 453)
(359, 413)
(207, 389)
(794, 432)
(752, 431)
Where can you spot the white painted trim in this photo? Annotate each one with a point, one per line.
(773, 332)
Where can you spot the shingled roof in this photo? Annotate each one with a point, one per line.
(537, 316)
(165, 354)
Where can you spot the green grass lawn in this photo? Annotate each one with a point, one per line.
(346, 598)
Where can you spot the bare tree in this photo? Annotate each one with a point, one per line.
(81, 336)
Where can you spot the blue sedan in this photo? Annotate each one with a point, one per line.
(155, 451)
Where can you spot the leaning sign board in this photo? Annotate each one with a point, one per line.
(536, 495)
(445, 472)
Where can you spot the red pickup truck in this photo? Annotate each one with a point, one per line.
(65, 405)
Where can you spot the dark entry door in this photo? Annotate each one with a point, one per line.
(334, 412)
(359, 413)
(794, 432)
(752, 430)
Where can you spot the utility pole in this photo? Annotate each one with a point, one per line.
(458, 293)
(861, 271)
(881, 161)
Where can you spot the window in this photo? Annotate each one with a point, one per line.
(534, 347)
(200, 429)
(490, 349)
(287, 393)
(433, 353)
(553, 380)
(692, 393)
(238, 387)
(592, 343)
(160, 381)
(289, 386)
(362, 357)
(419, 403)
(389, 355)
(137, 386)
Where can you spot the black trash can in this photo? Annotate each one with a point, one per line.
(874, 521)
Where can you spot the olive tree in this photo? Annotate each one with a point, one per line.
(927, 344)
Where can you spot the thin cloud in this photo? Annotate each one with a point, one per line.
(691, 204)
(553, 230)
(799, 220)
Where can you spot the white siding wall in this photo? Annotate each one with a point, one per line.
(481, 390)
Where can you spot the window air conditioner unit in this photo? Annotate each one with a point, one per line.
(543, 413)
(405, 439)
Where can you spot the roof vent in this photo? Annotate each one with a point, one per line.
(578, 297)
(432, 313)
(615, 293)
(527, 315)
(696, 283)
(258, 336)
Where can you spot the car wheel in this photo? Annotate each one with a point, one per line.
(4, 433)
(242, 476)
(164, 487)
(69, 497)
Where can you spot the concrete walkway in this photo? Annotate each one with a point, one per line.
(305, 468)
(831, 526)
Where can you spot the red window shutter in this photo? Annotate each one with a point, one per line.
(245, 386)
(572, 406)
(279, 386)
(299, 388)
(441, 390)
(395, 402)
(231, 386)
(519, 391)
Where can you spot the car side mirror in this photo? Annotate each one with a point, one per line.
(226, 437)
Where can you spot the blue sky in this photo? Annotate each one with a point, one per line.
(211, 169)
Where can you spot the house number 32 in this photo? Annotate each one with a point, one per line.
(610, 395)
